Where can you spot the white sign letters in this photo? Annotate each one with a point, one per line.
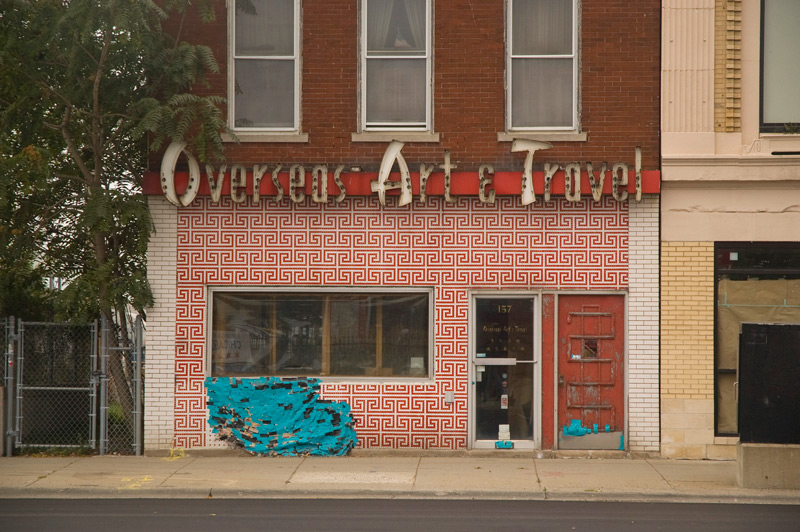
(383, 183)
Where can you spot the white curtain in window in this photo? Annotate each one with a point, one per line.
(415, 10)
(379, 19)
(396, 87)
(264, 27)
(542, 27)
(541, 84)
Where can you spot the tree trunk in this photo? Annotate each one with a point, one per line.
(116, 370)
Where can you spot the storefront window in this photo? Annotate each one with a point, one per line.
(756, 283)
(323, 334)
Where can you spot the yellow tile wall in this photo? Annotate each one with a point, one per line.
(687, 320)
(687, 350)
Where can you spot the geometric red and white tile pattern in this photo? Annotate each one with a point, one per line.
(450, 247)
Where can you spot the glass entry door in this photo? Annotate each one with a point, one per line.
(503, 370)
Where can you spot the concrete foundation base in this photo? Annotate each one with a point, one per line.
(769, 466)
(602, 440)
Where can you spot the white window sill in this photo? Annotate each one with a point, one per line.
(389, 136)
(265, 137)
(794, 136)
(545, 136)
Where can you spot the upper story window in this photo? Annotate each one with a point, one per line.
(542, 65)
(264, 68)
(396, 65)
(780, 68)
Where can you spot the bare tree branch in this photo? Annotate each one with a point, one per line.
(72, 148)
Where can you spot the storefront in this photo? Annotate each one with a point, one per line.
(467, 309)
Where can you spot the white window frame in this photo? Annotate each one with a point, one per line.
(363, 54)
(770, 49)
(232, 57)
(574, 127)
(318, 290)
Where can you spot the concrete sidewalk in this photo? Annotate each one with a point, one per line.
(381, 475)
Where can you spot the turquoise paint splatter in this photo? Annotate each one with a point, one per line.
(270, 415)
(575, 428)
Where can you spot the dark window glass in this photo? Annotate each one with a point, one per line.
(333, 334)
(505, 329)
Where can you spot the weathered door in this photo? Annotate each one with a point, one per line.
(591, 363)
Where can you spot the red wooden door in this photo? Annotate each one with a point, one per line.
(591, 363)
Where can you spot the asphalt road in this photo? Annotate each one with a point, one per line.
(298, 515)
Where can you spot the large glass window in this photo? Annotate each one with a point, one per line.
(321, 334)
(395, 64)
(780, 69)
(264, 67)
(542, 65)
(756, 283)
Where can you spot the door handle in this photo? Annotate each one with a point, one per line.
(561, 381)
(736, 391)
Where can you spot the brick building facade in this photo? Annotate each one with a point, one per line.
(476, 314)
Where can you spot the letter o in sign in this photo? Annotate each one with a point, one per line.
(168, 163)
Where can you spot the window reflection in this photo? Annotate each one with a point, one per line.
(384, 335)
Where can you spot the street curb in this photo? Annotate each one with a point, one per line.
(339, 493)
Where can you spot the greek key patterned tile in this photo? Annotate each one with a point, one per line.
(452, 248)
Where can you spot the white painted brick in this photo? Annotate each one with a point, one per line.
(160, 366)
(643, 310)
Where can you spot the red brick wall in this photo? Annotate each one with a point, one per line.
(620, 42)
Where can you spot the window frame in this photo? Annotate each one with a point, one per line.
(411, 127)
(296, 57)
(768, 127)
(575, 56)
(329, 290)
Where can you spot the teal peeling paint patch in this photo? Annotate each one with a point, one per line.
(270, 415)
(575, 428)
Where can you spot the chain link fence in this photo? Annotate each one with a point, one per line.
(120, 395)
(56, 397)
(5, 324)
(7, 411)
(74, 385)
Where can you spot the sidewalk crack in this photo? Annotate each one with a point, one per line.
(302, 461)
(50, 472)
(416, 473)
(659, 474)
(542, 488)
(169, 476)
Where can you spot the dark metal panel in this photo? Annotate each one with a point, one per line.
(769, 383)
